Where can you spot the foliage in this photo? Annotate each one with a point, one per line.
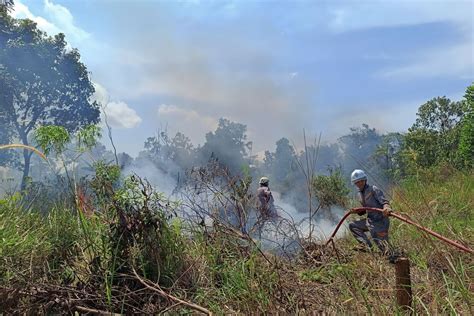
(52, 138)
(282, 163)
(358, 147)
(57, 138)
(466, 142)
(431, 192)
(42, 82)
(387, 154)
(332, 189)
(169, 154)
(20, 235)
(325, 274)
(88, 136)
(359, 136)
(438, 115)
(434, 137)
(104, 181)
(6, 5)
(89, 259)
(228, 144)
(142, 233)
(230, 277)
(28, 237)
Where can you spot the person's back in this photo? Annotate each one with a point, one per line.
(266, 205)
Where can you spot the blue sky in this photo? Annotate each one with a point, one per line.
(276, 66)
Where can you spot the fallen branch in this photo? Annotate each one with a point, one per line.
(94, 311)
(157, 289)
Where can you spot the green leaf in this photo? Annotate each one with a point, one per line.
(52, 138)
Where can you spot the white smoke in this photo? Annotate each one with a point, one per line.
(322, 227)
(145, 169)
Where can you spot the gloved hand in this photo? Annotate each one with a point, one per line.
(387, 210)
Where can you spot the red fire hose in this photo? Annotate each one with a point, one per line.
(403, 219)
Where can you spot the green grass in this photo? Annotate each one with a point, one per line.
(231, 281)
(442, 200)
(228, 275)
(23, 240)
(43, 243)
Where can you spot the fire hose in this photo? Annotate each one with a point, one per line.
(36, 151)
(403, 219)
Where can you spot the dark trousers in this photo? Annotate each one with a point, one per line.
(378, 231)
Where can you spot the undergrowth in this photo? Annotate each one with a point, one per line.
(133, 254)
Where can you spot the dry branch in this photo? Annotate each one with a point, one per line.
(157, 289)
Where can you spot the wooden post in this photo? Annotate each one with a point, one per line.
(403, 283)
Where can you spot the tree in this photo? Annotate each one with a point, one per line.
(434, 137)
(439, 115)
(268, 162)
(171, 155)
(228, 144)
(466, 141)
(386, 154)
(331, 189)
(282, 163)
(42, 82)
(358, 147)
(6, 5)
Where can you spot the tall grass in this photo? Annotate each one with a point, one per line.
(441, 199)
(227, 274)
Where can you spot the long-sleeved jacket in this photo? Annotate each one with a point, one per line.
(371, 196)
(266, 202)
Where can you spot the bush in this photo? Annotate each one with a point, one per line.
(332, 189)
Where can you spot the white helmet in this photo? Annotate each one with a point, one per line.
(264, 180)
(358, 175)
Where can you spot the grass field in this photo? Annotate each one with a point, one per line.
(69, 260)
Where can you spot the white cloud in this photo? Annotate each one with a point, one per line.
(119, 114)
(21, 11)
(100, 95)
(60, 21)
(63, 18)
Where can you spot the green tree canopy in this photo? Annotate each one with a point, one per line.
(434, 137)
(331, 189)
(466, 141)
(168, 153)
(42, 82)
(6, 5)
(438, 115)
